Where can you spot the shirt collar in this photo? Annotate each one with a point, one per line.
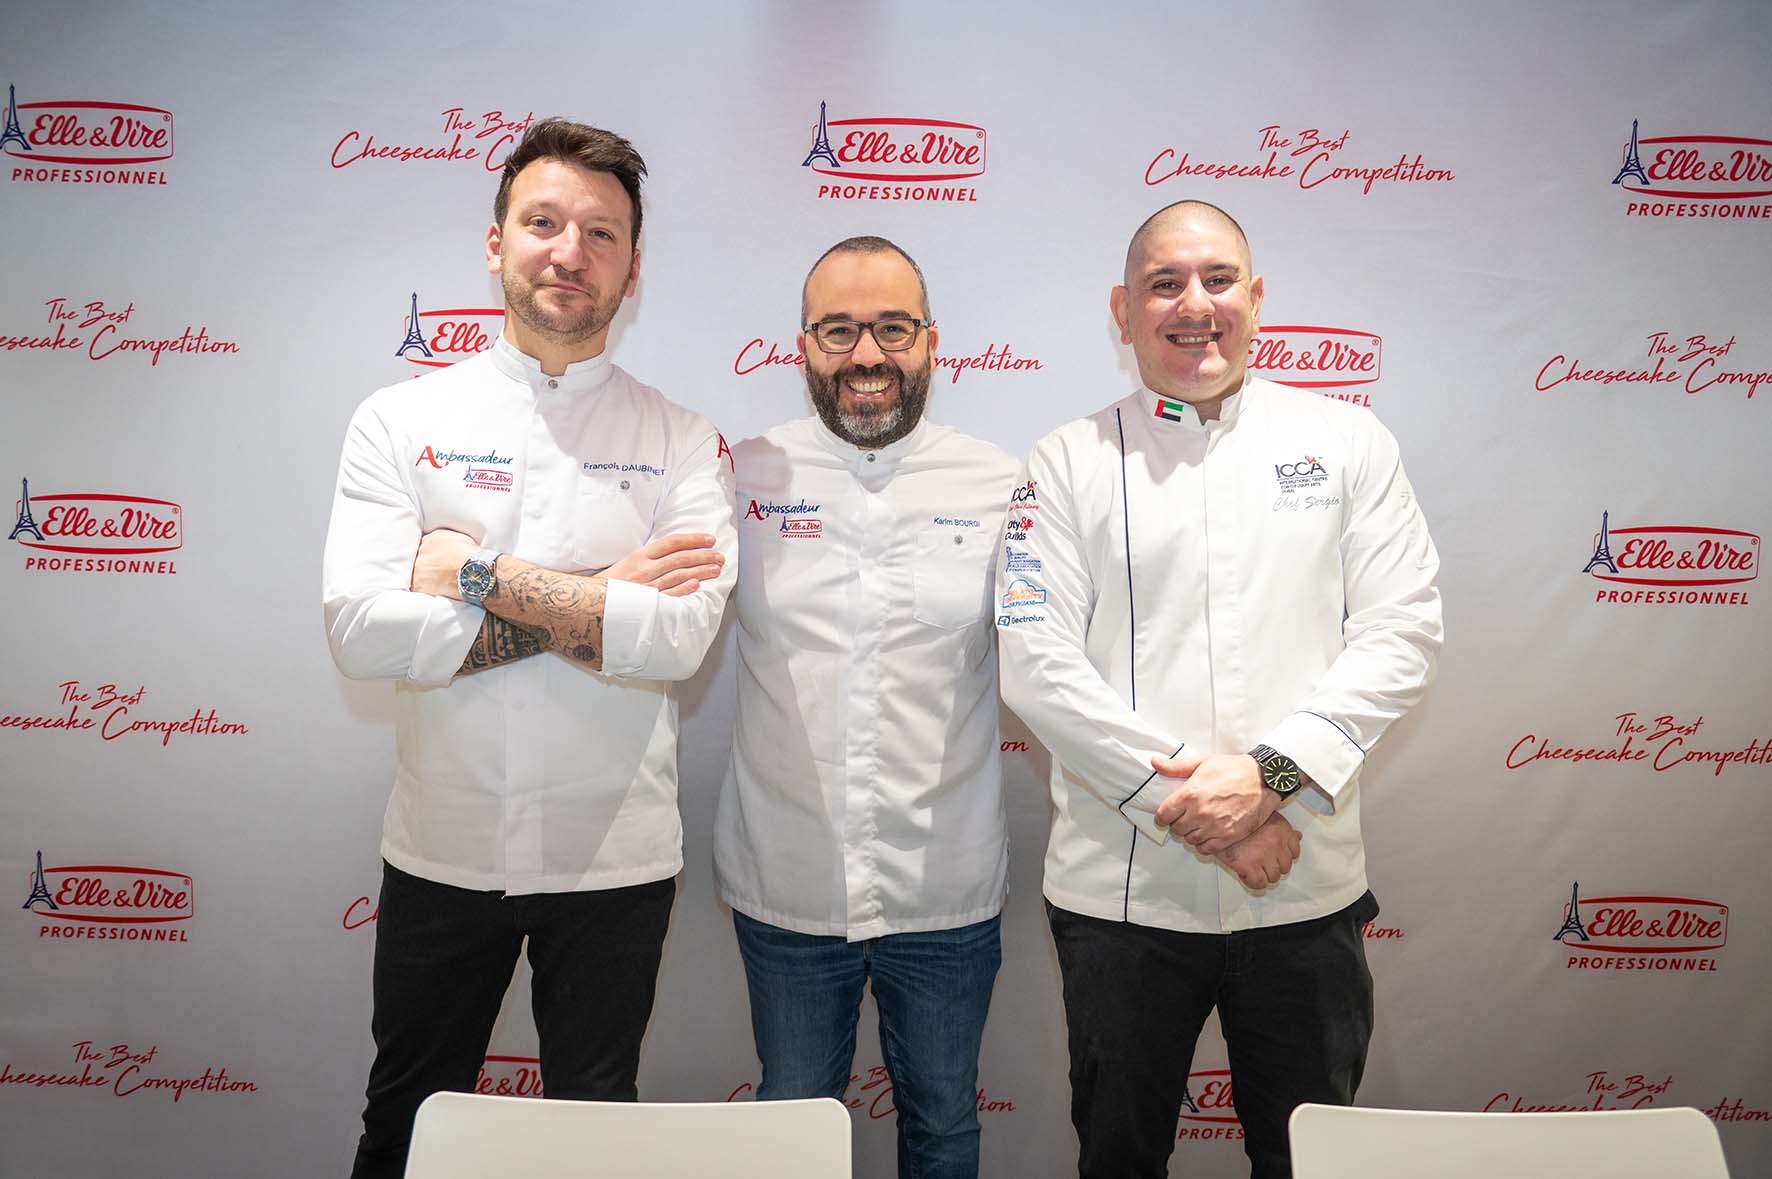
(583, 376)
(872, 467)
(1182, 415)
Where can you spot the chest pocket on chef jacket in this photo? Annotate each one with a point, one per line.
(951, 571)
(612, 516)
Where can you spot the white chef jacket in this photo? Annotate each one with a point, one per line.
(865, 795)
(1264, 578)
(538, 775)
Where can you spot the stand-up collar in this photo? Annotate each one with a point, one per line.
(583, 376)
(1184, 416)
(871, 467)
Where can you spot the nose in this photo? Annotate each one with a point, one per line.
(867, 351)
(1194, 298)
(569, 249)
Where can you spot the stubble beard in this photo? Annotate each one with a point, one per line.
(594, 317)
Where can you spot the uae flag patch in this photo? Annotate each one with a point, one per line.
(1170, 411)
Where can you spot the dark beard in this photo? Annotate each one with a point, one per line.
(520, 301)
(872, 428)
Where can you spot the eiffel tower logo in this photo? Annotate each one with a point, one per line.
(1602, 547)
(1633, 167)
(1187, 1099)
(39, 888)
(821, 147)
(25, 523)
(415, 338)
(12, 133)
(1572, 917)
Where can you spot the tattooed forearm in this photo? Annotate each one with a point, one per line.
(500, 641)
(562, 611)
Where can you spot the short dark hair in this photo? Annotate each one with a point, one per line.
(866, 243)
(573, 143)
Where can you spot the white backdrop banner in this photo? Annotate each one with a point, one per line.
(1532, 238)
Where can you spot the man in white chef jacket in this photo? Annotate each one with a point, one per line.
(861, 833)
(1219, 592)
(531, 544)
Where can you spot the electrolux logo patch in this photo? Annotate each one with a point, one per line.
(85, 141)
(1706, 176)
(896, 158)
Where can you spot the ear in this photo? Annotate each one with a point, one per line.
(633, 275)
(494, 253)
(800, 343)
(934, 337)
(1119, 302)
(1256, 290)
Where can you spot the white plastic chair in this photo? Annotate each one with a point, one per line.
(1338, 1142)
(470, 1136)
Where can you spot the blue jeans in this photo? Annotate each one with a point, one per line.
(932, 989)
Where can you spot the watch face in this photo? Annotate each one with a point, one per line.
(1280, 774)
(475, 581)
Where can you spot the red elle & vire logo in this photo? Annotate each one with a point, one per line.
(93, 532)
(509, 1076)
(105, 142)
(490, 138)
(109, 902)
(1694, 363)
(448, 335)
(1309, 157)
(1684, 564)
(1208, 1111)
(1650, 933)
(1605, 1090)
(1706, 176)
(873, 1095)
(1328, 360)
(896, 159)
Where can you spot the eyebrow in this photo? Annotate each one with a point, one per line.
(1209, 268)
(844, 315)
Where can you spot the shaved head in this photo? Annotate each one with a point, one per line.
(1180, 211)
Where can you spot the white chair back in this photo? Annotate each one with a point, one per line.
(469, 1136)
(1336, 1142)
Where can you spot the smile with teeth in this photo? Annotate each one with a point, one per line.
(868, 385)
(1201, 338)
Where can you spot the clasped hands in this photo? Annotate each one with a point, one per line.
(674, 565)
(1222, 810)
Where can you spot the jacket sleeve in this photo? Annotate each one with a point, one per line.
(376, 626)
(647, 635)
(1391, 633)
(1046, 606)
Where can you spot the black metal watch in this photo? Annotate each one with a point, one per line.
(1279, 773)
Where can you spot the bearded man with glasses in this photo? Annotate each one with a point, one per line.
(861, 832)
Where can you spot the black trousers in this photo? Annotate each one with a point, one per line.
(1295, 1003)
(443, 960)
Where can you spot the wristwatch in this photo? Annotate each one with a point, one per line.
(1279, 773)
(477, 577)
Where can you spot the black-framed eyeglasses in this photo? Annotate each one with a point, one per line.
(893, 334)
